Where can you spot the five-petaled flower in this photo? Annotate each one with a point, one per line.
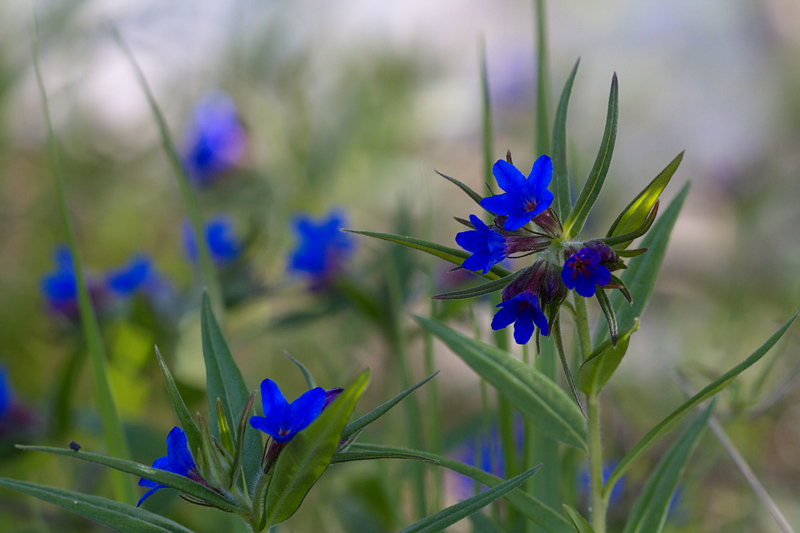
(322, 248)
(178, 461)
(215, 139)
(283, 420)
(524, 198)
(524, 311)
(584, 272)
(223, 245)
(488, 247)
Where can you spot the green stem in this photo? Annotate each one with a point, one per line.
(598, 504)
(543, 81)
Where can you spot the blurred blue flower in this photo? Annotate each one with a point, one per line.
(5, 392)
(128, 279)
(524, 197)
(322, 247)
(583, 272)
(523, 310)
(215, 140)
(584, 483)
(178, 461)
(283, 420)
(223, 245)
(487, 247)
(59, 287)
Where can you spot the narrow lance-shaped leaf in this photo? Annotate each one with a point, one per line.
(112, 425)
(116, 515)
(562, 354)
(608, 312)
(308, 454)
(224, 381)
(594, 183)
(562, 201)
(372, 416)
(472, 194)
(480, 290)
(453, 255)
(306, 374)
(580, 523)
(536, 396)
(486, 117)
(598, 368)
(677, 415)
(176, 481)
(640, 276)
(533, 509)
(635, 214)
(446, 517)
(649, 513)
(193, 437)
(240, 439)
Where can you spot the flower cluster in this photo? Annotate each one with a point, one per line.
(281, 422)
(524, 224)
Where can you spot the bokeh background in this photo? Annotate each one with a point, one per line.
(352, 104)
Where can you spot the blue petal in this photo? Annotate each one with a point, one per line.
(129, 278)
(180, 459)
(504, 317)
(540, 320)
(306, 409)
(267, 425)
(517, 220)
(471, 241)
(509, 178)
(149, 493)
(272, 400)
(584, 287)
(523, 329)
(600, 275)
(502, 204)
(539, 178)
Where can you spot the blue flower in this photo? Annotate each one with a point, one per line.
(125, 281)
(283, 420)
(488, 248)
(59, 287)
(524, 198)
(178, 461)
(322, 246)
(5, 392)
(523, 310)
(583, 272)
(215, 140)
(221, 239)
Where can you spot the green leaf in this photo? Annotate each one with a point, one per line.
(371, 455)
(178, 482)
(608, 312)
(591, 189)
(472, 194)
(224, 381)
(598, 368)
(677, 415)
(483, 524)
(116, 515)
(637, 212)
(452, 255)
(449, 516)
(580, 523)
(372, 416)
(640, 276)
(562, 354)
(309, 453)
(193, 437)
(562, 201)
(480, 290)
(536, 396)
(536, 511)
(306, 374)
(486, 117)
(113, 434)
(238, 457)
(649, 513)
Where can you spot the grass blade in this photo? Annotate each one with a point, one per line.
(480, 290)
(193, 437)
(112, 425)
(580, 523)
